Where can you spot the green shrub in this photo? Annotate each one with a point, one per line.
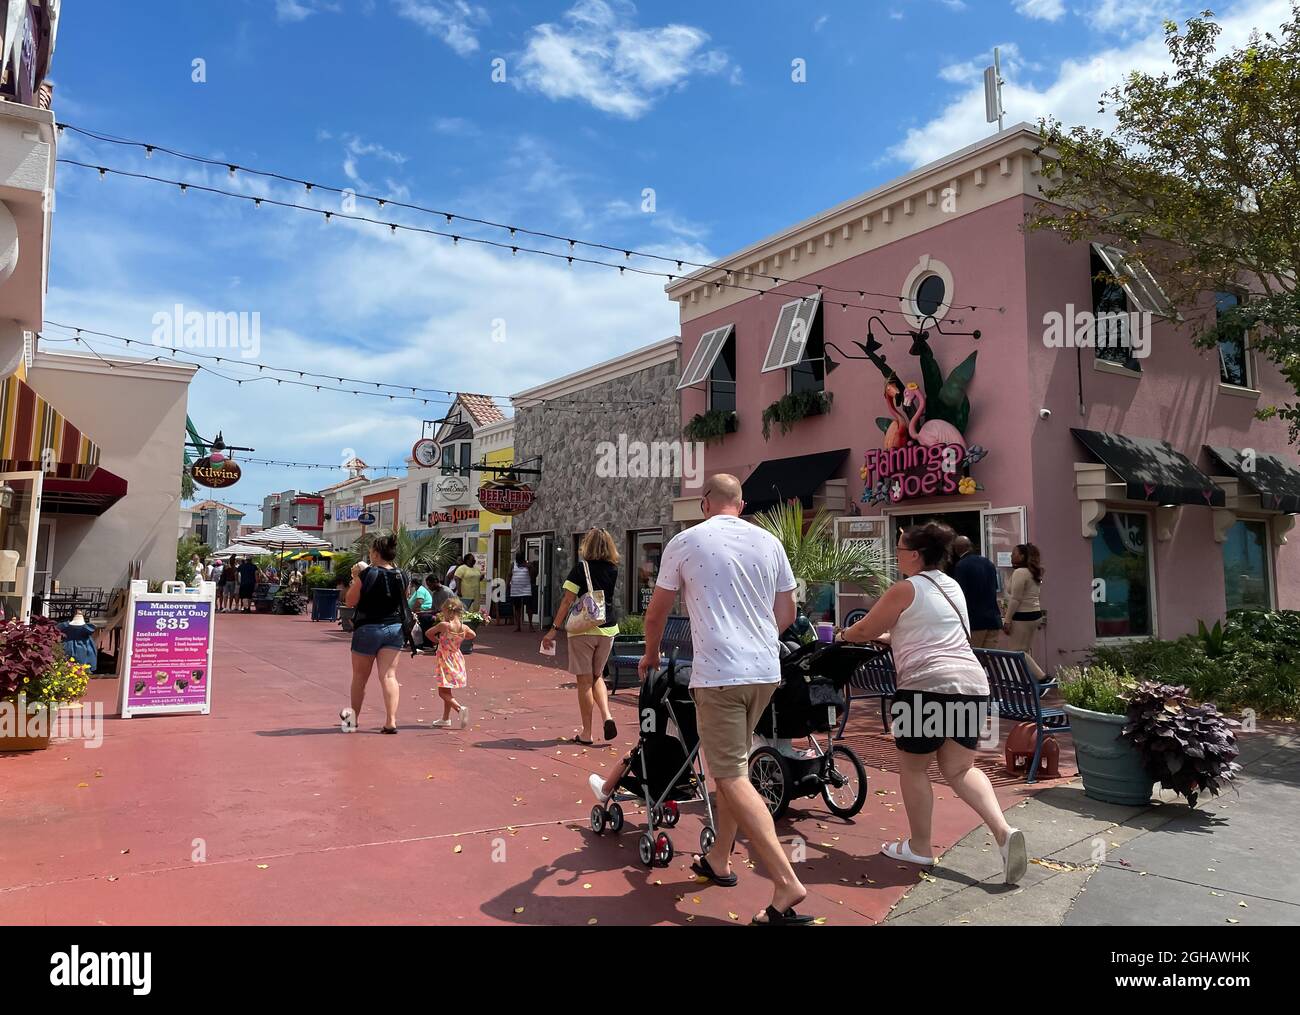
(1096, 687)
(632, 624)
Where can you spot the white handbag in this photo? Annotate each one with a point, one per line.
(589, 611)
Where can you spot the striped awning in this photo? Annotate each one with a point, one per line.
(29, 426)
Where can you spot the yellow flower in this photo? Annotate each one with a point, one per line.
(966, 486)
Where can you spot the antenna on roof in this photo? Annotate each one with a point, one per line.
(993, 91)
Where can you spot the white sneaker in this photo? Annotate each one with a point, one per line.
(441, 724)
(1015, 859)
(597, 785)
(348, 720)
(464, 717)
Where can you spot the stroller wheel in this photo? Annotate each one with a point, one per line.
(598, 819)
(845, 789)
(769, 773)
(670, 814)
(645, 848)
(615, 816)
(663, 849)
(708, 836)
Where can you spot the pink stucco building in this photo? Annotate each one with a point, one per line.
(1100, 457)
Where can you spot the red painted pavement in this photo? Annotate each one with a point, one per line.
(266, 812)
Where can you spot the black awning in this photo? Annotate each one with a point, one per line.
(1276, 482)
(793, 478)
(1151, 470)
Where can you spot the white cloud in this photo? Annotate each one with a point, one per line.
(1072, 96)
(1041, 10)
(821, 22)
(455, 22)
(599, 56)
(1128, 16)
(300, 10)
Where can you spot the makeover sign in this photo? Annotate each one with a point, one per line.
(168, 666)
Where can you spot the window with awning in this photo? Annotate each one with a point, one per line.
(1151, 470)
(796, 478)
(1275, 481)
(711, 343)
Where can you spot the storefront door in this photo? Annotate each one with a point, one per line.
(538, 551)
(1004, 529)
(19, 534)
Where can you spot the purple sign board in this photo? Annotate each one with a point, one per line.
(169, 656)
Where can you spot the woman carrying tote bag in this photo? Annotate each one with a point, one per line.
(588, 612)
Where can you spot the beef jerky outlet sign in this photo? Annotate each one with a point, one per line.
(503, 498)
(215, 471)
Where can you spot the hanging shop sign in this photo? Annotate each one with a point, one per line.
(503, 497)
(347, 513)
(168, 667)
(367, 518)
(426, 453)
(451, 490)
(215, 471)
(452, 516)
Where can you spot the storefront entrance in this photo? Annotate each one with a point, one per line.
(19, 533)
(539, 549)
(964, 523)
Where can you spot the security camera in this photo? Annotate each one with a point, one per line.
(1044, 413)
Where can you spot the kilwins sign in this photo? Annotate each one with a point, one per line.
(215, 471)
(505, 498)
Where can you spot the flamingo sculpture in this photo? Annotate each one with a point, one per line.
(896, 435)
(935, 431)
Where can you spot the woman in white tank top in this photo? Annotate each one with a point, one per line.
(942, 695)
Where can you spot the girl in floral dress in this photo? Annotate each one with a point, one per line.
(449, 663)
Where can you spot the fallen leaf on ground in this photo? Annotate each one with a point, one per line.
(457, 849)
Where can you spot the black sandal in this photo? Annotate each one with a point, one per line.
(584, 743)
(775, 918)
(387, 729)
(611, 731)
(701, 868)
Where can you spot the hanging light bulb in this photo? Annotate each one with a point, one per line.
(232, 171)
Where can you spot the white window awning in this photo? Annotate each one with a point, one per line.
(706, 354)
(1141, 287)
(790, 336)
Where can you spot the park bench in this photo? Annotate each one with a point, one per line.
(1013, 690)
(628, 650)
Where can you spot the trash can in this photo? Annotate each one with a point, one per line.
(325, 604)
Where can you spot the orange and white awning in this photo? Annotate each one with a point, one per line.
(35, 437)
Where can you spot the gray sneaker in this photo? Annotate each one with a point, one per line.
(1015, 859)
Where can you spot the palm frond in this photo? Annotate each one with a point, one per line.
(814, 553)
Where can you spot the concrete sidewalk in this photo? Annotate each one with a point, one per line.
(1231, 860)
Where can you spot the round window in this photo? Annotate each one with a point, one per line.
(929, 295)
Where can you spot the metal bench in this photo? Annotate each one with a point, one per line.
(875, 678)
(1018, 696)
(626, 655)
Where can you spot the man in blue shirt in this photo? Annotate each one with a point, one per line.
(978, 579)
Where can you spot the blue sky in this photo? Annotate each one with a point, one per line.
(602, 100)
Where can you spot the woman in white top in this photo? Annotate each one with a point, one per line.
(942, 697)
(1024, 611)
(521, 591)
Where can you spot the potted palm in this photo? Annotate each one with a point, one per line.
(35, 679)
(1112, 771)
(821, 561)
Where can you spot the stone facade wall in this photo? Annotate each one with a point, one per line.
(571, 495)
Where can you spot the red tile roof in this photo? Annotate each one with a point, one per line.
(207, 504)
(482, 408)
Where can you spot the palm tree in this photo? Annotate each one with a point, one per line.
(816, 556)
(431, 552)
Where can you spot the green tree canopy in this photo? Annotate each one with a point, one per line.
(1200, 181)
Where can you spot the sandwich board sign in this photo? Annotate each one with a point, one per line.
(167, 659)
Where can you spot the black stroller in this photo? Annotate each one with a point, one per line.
(809, 700)
(665, 768)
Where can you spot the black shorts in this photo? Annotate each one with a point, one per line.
(921, 721)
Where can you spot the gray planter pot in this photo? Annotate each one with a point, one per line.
(1111, 769)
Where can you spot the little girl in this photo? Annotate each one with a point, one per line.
(449, 663)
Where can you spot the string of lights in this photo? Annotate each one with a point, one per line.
(514, 230)
(516, 248)
(79, 335)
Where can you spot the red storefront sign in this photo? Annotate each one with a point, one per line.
(506, 498)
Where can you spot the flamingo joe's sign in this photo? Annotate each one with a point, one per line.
(216, 474)
(916, 470)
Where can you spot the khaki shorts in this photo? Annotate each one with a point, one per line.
(588, 653)
(726, 717)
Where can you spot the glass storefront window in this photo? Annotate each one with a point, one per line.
(647, 550)
(18, 532)
(1245, 566)
(1121, 576)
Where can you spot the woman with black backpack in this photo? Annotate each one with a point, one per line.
(380, 628)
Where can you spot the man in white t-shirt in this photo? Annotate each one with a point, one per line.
(736, 583)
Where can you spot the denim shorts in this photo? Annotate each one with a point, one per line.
(368, 639)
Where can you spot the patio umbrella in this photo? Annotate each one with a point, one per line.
(239, 550)
(313, 554)
(283, 538)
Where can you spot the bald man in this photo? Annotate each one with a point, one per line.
(738, 589)
(978, 579)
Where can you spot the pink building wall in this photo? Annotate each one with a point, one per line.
(994, 263)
